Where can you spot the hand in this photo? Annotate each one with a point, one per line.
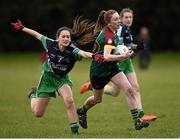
(98, 58)
(128, 54)
(17, 25)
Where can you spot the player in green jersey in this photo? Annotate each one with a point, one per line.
(101, 73)
(62, 55)
(126, 66)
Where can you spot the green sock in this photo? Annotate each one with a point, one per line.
(140, 113)
(74, 128)
(134, 113)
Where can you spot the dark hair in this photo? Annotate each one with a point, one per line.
(61, 29)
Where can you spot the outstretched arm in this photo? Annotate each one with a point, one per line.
(32, 33)
(19, 27)
(85, 54)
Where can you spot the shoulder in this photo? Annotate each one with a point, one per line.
(120, 29)
(108, 34)
(73, 46)
(50, 41)
(108, 31)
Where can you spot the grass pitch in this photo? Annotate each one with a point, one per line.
(160, 90)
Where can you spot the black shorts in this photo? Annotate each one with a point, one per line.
(98, 82)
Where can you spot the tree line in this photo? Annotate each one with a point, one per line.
(46, 16)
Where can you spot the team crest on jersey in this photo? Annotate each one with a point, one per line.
(109, 41)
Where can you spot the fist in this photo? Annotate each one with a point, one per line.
(98, 58)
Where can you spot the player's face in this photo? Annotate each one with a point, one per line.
(127, 19)
(115, 21)
(64, 38)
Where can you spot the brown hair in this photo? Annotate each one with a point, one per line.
(124, 10)
(100, 23)
(103, 19)
(81, 32)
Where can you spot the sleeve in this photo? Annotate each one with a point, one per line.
(75, 50)
(43, 41)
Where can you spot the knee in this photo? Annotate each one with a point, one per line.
(116, 93)
(136, 88)
(37, 114)
(69, 102)
(129, 90)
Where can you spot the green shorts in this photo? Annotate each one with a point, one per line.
(126, 66)
(49, 84)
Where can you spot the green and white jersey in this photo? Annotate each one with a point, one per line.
(106, 39)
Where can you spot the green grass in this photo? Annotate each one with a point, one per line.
(160, 89)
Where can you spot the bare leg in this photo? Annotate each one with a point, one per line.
(112, 90)
(38, 106)
(66, 93)
(89, 103)
(133, 81)
(121, 81)
(93, 100)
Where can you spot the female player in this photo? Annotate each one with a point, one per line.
(62, 55)
(126, 66)
(101, 73)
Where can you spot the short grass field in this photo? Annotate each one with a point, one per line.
(160, 90)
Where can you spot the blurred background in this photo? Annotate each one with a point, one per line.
(162, 17)
(20, 69)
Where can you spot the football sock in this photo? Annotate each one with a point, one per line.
(134, 113)
(140, 113)
(74, 128)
